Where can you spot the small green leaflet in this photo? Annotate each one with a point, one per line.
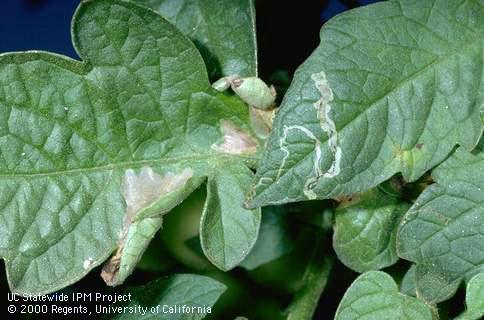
(392, 87)
(443, 231)
(79, 140)
(176, 291)
(224, 219)
(365, 231)
(223, 31)
(474, 299)
(374, 296)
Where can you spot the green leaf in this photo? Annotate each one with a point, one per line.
(193, 293)
(85, 146)
(227, 230)
(223, 31)
(393, 87)
(365, 232)
(273, 241)
(442, 232)
(474, 299)
(374, 296)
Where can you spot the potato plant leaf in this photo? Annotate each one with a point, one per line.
(86, 145)
(443, 231)
(392, 87)
(223, 31)
(365, 231)
(374, 295)
(196, 293)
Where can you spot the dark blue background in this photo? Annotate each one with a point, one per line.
(39, 25)
(287, 30)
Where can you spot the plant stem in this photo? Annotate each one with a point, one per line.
(315, 280)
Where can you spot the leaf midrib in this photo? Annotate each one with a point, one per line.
(208, 158)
